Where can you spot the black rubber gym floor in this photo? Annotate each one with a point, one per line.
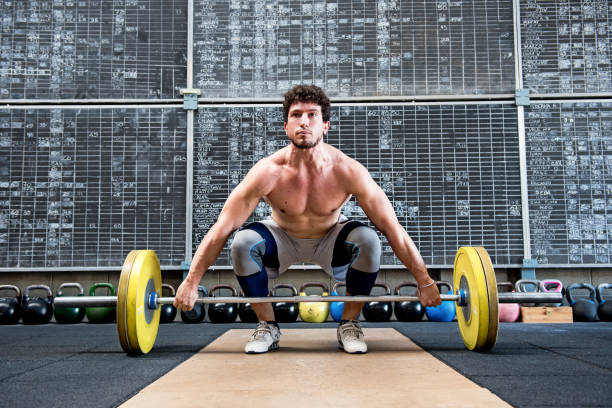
(532, 365)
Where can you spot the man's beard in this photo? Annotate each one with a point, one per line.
(307, 145)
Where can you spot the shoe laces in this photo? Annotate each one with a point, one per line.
(351, 329)
(261, 331)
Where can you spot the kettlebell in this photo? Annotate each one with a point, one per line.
(406, 310)
(10, 307)
(102, 314)
(198, 313)
(246, 312)
(167, 312)
(583, 310)
(69, 315)
(375, 311)
(508, 312)
(223, 312)
(444, 312)
(604, 310)
(37, 309)
(336, 308)
(522, 286)
(285, 312)
(314, 312)
(551, 285)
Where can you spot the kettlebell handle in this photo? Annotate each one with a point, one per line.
(312, 284)
(13, 288)
(95, 286)
(404, 284)
(337, 285)
(223, 286)
(506, 285)
(384, 286)
(520, 285)
(71, 285)
(600, 288)
(445, 284)
(285, 286)
(42, 287)
(202, 291)
(168, 286)
(574, 286)
(558, 285)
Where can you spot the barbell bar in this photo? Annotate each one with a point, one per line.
(154, 301)
(139, 297)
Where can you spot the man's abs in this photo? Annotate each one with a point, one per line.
(306, 226)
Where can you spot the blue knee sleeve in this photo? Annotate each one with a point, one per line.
(360, 283)
(255, 285)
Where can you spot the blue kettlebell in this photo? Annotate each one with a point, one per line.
(336, 308)
(445, 312)
(604, 310)
(583, 310)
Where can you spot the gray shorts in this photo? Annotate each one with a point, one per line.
(310, 251)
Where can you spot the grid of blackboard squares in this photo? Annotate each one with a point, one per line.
(99, 49)
(450, 171)
(566, 46)
(569, 171)
(353, 47)
(83, 187)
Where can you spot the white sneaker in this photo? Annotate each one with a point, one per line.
(350, 337)
(264, 339)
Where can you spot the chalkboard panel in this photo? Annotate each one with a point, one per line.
(83, 187)
(94, 49)
(569, 168)
(566, 46)
(354, 48)
(451, 171)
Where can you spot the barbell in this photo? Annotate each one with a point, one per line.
(139, 300)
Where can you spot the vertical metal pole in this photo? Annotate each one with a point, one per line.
(518, 74)
(189, 181)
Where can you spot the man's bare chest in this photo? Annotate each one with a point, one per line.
(300, 195)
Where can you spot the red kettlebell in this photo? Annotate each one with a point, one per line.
(508, 312)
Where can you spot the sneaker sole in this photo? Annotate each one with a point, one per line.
(273, 347)
(341, 347)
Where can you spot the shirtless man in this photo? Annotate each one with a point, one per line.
(306, 183)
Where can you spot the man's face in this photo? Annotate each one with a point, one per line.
(305, 127)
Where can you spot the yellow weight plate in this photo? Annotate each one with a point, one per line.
(493, 301)
(137, 325)
(478, 319)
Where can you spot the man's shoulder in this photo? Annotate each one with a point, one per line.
(344, 162)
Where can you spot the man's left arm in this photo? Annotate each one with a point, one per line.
(375, 203)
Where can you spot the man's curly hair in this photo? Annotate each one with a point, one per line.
(306, 93)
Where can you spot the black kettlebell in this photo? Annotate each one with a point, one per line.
(583, 310)
(198, 313)
(223, 312)
(375, 311)
(522, 286)
(69, 315)
(37, 309)
(246, 312)
(167, 312)
(604, 310)
(10, 307)
(101, 314)
(408, 311)
(285, 312)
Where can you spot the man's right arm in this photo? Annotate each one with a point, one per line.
(237, 208)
